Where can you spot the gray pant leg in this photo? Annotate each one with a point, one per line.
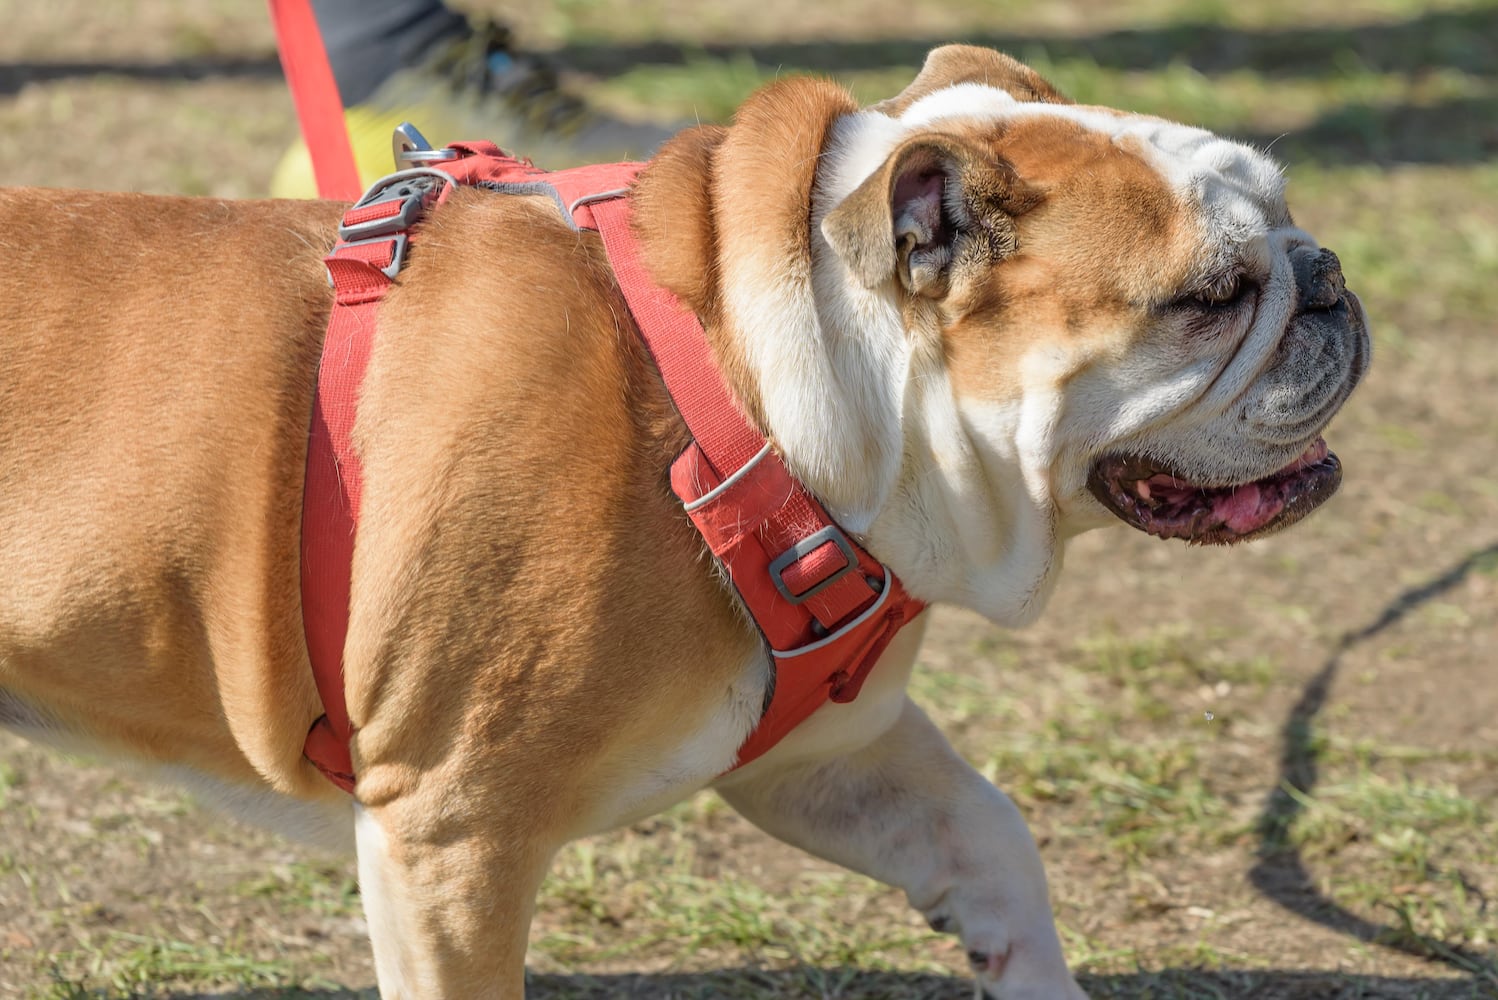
(367, 40)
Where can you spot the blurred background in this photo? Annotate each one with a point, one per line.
(1265, 772)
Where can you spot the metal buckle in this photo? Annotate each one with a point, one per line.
(411, 148)
(832, 533)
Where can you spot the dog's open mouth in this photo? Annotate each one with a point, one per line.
(1168, 506)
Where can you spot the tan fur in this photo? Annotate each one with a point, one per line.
(523, 574)
(533, 437)
(1105, 242)
(156, 385)
(954, 64)
(759, 176)
(1085, 227)
(673, 217)
(538, 640)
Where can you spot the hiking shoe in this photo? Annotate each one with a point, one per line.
(477, 87)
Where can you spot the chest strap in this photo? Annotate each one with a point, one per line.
(825, 607)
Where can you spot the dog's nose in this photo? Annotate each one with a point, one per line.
(1318, 279)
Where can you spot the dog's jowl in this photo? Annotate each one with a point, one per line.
(971, 321)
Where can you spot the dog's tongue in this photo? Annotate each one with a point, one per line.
(1247, 507)
(1241, 509)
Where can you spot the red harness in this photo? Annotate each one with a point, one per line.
(825, 607)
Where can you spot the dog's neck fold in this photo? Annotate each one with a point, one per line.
(858, 405)
(825, 391)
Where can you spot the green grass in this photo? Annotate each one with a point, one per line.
(140, 965)
(1405, 846)
(299, 887)
(1144, 792)
(10, 779)
(662, 901)
(1151, 815)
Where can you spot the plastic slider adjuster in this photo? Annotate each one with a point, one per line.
(832, 533)
(410, 192)
(411, 189)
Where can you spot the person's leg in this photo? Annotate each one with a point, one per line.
(454, 79)
(368, 40)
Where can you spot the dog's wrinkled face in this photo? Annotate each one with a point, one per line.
(1007, 319)
(1200, 342)
(1123, 307)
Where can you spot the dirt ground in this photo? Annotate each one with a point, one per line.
(1265, 772)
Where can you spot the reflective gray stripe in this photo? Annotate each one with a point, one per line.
(529, 188)
(713, 493)
(812, 647)
(589, 199)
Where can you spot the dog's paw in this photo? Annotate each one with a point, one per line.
(987, 964)
(985, 988)
(1004, 969)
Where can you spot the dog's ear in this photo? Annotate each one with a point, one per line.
(954, 64)
(938, 202)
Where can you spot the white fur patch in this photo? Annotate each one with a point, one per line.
(703, 755)
(1218, 174)
(821, 356)
(381, 907)
(969, 502)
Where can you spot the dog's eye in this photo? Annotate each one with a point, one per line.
(1224, 291)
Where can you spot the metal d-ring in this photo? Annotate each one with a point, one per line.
(411, 148)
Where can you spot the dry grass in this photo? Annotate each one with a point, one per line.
(1261, 773)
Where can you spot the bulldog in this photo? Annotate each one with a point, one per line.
(975, 320)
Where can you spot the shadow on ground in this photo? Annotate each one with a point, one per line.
(1456, 130)
(853, 984)
(1462, 130)
(1464, 40)
(13, 76)
(1280, 872)
(1453, 130)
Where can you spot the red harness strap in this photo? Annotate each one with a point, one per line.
(371, 248)
(825, 607)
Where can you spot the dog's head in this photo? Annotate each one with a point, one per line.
(1011, 318)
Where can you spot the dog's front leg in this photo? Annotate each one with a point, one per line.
(907, 810)
(449, 902)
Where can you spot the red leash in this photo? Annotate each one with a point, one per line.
(315, 94)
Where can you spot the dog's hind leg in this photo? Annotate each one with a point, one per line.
(907, 810)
